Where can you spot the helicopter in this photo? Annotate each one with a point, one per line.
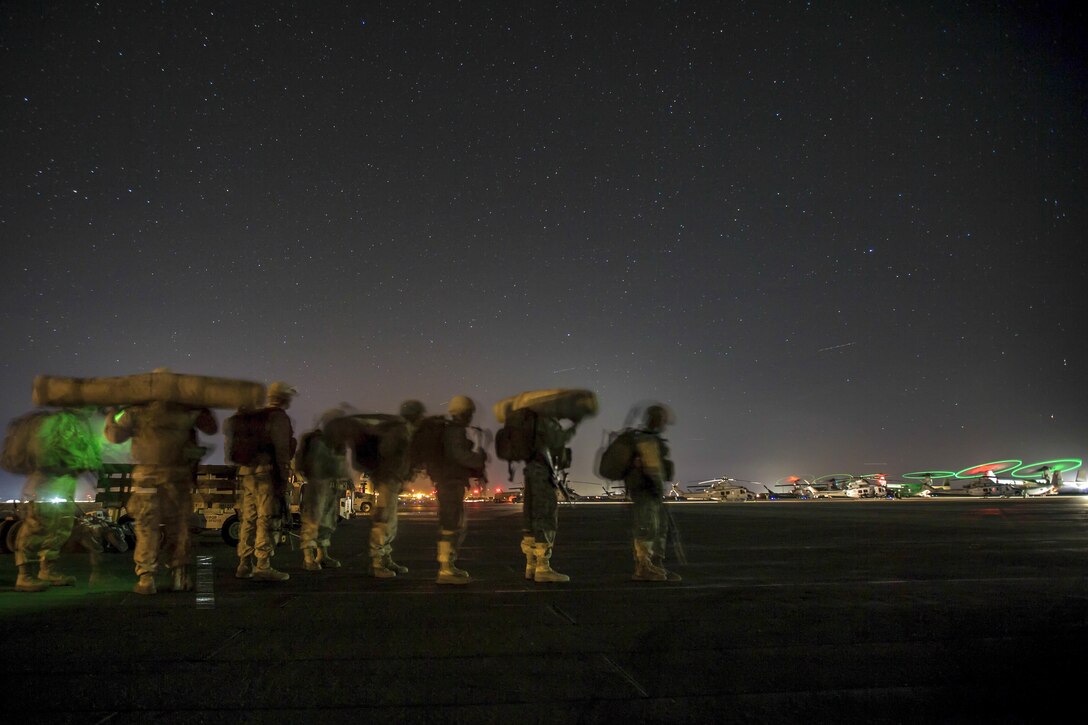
(714, 489)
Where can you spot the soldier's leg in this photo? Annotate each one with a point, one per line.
(247, 531)
(177, 511)
(267, 505)
(143, 507)
(383, 527)
(644, 535)
(27, 545)
(327, 513)
(58, 518)
(309, 510)
(451, 523)
(544, 513)
(528, 540)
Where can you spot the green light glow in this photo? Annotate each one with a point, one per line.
(932, 474)
(1057, 464)
(995, 466)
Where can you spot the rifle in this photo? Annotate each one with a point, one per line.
(673, 537)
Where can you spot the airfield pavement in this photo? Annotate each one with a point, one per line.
(911, 611)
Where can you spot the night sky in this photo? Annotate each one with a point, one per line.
(832, 236)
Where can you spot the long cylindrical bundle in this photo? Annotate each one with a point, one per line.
(194, 390)
(564, 403)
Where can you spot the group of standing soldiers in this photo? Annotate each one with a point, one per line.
(166, 451)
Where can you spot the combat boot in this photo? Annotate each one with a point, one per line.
(48, 574)
(447, 574)
(264, 572)
(326, 561)
(146, 584)
(543, 571)
(97, 578)
(659, 561)
(245, 568)
(453, 565)
(27, 582)
(380, 570)
(527, 543)
(182, 580)
(388, 562)
(645, 571)
(309, 560)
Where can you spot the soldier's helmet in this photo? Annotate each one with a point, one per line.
(460, 404)
(412, 410)
(330, 415)
(657, 417)
(280, 390)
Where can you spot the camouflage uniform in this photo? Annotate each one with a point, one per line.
(540, 507)
(459, 463)
(394, 471)
(645, 482)
(263, 483)
(164, 448)
(47, 523)
(324, 470)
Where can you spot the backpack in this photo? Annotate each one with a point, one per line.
(248, 434)
(50, 440)
(516, 440)
(365, 435)
(20, 443)
(304, 459)
(428, 448)
(617, 456)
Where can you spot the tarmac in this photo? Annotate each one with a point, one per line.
(947, 610)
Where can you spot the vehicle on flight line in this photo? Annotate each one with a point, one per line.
(800, 488)
(714, 489)
(1008, 488)
(215, 500)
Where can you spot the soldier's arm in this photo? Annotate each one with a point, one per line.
(458, 449)
(206, 423)
(119, 424)
(280, 432)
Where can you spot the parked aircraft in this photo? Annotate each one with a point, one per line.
(799, 488)
(715, 489)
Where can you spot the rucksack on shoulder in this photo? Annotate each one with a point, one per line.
(247, 435)
(21, 448)
(516, 440)
(617, 456)
(364, 435)
(428, 448)
(50, 439)
(304, 457)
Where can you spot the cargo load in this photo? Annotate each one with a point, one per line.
(199, 391)
(572, 404)
(378, 441)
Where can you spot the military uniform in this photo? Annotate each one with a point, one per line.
(263, 483)
(166, 455)
(645, 482)
(324, 469)
(540, 507)
(388, 481)
(54, 447)
(460, 462)
(47, 523)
